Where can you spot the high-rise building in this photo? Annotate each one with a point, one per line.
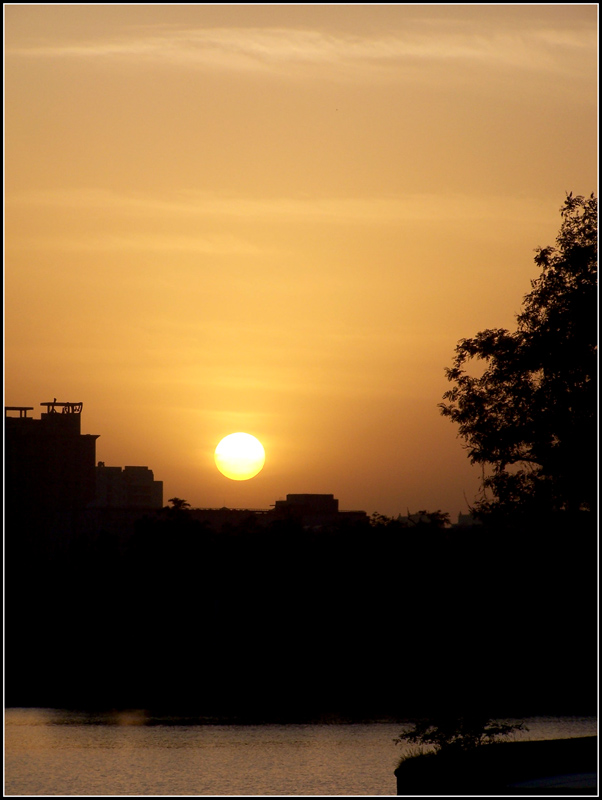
(50, 464)
(130, 487)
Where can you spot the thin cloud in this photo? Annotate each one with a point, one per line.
(214, 245)
(281, 50)
(343, 210)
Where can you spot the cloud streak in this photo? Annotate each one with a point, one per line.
(283, 50)
(343, 210)
(214, 245)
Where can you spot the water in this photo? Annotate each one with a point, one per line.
(63, 753)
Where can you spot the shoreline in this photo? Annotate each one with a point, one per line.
(178, 716)
(521, 767)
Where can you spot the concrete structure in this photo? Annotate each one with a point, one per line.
(312, 511)
(49, 462)
(315, 510)
(218, 519)
(307, 504)
(130, 487)
(51, 468)
(552, 767)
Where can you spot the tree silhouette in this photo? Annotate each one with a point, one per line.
(421, 519)
(458, 732)
(530, 417)
(177, 504)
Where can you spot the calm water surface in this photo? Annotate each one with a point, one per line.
(62, 753)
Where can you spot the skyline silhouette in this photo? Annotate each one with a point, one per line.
(51, 465)
(271, 619)
(183, 594)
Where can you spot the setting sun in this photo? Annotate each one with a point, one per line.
(239, 456)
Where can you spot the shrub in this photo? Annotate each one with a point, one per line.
(452, 733)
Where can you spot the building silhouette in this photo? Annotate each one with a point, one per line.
(52, 479)
(307, 504)
(314, 510)
(310, 511)
(130, 487)
(51, 473)
(467, 521)
(50, 464)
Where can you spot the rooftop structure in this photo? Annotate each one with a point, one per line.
(303, 504)
(314, 510)
(49, 462)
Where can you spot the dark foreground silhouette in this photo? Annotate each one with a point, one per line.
(504, 768)
(285, 624)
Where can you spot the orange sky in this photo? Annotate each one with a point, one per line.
(281, 220)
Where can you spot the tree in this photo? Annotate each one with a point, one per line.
(431, 519)
(421, 519)
(451, 732)
(530, 418)
(178, 506)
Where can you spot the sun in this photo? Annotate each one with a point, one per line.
(239, 456)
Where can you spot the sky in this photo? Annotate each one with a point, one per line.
(281, 219)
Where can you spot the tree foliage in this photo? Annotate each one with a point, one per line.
(530, 418)
(178, 506)
(421, 519)
(450, 732)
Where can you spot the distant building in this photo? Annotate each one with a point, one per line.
(467, 521)
(130, 487)
(49, 463)
(314, 510)
(307, 504)
(219, 519)
(310, 510)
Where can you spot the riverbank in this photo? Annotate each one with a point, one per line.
(506, 768)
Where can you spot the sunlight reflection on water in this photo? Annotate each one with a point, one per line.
(66, 753)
